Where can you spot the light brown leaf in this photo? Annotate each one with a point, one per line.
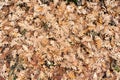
(98, 42)
(71, 75)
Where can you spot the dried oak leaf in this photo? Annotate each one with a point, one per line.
(98, 42)
(86, 30)
(71, 75)
(1, 78)
(44, 42)
(58, 73)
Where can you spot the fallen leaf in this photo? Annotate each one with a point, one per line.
(98, 42)
(71, 75)
(1, 78)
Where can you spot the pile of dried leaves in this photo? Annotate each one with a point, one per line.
(42, 40)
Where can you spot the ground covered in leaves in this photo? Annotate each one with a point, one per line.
(57, 40)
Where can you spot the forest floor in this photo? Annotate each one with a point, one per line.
(59, 41)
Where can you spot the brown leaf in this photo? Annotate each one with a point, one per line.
(1, 78)
(98, 42)
(58, 73)
(44, 42)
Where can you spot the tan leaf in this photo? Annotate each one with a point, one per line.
(86, 30)
(71, 75)
(112, 42)
(40, 8)
(98, 42)
(91, 28)
(100, 20)
(44, 41)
